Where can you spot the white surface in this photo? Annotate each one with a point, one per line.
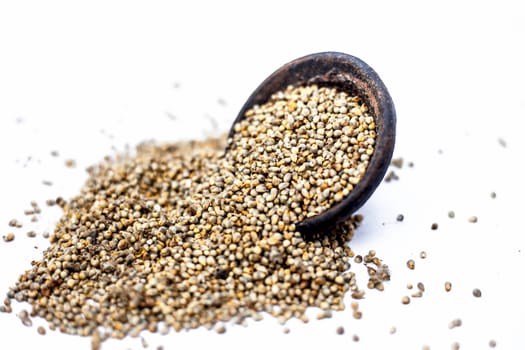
(89, 79)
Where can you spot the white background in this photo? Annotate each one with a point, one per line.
(88, 79)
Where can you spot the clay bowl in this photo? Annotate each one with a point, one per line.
(352, 75)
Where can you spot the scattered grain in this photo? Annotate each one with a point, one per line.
(476, 293)
(220, 329)
(417, 294)
(9, 237)
(23, 315)
(397, 162)
(96, 340)
(70, 163)
(391, 176)
(324, 314)
(144, 342)
(454, 323)
(15, 223)
(358, 294)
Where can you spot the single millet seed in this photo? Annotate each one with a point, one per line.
(397, 162)
(411, 264)
(455, 323)
(405, 300)
(476, 292)
(9, 237)
(144, 342)
(324, 314)
(358, 294)
(340, 330)
(220, 329)
(434, 226)
(448, 286)
(70, 163)
(417, 294)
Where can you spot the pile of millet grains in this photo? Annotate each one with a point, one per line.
(198, 233)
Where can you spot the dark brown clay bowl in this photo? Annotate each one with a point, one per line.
(352, 75)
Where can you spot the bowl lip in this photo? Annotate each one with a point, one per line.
(350, 74)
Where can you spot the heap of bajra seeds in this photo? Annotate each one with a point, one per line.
(189, 235)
